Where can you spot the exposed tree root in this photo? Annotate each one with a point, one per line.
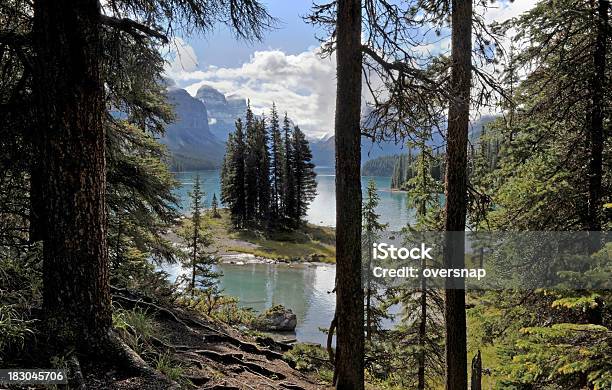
(230, 358)
(290, 386)
(197, 380)
(330, 337)
(75, 375)
(149, 305)
(215, 336)
(273, 344)
(131, 361)
(169, 347)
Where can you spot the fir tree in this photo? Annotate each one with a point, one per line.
(304, 176)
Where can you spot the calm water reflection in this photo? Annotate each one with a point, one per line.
(392, 207)
(303, 289)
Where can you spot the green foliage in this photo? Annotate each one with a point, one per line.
(311, 358)
(136, 327)
(199, 259)
(14, 329)
(171, 368)
(374, 289)
(380, 166)
(264, 182)
(405, 168)
(20, 295)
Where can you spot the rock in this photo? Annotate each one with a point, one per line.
(316, 257)
(277, 318)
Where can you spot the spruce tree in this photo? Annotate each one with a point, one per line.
(233, 191)
(214, 207)
(250, 166)
(370, 234)
(263, 189)
(289, 203)
(200, 259)
(277, 156)
(304, 176)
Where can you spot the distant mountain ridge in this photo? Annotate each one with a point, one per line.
(191, 143)
(222, 110)
(196, 140)
(323, 150)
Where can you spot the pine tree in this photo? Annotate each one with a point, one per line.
(289, 199)
(304, 176)
(456, 191)
(422, 308)
(277, 155)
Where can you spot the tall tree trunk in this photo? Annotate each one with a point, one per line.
(476, 382)
(422, 331)
(597, 117)
(70, 107)
(368, 311)
(456, 193)
(349, 292)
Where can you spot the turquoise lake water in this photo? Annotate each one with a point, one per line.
(304, 289)
(322, 211)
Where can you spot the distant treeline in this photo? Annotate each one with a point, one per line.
(380, 166)
(483, 155)
(267, 177)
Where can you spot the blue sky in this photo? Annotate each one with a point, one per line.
(284, 68)
(292, 36)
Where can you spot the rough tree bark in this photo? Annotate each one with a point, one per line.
(70, 105)
(476, 382)
(456, 192)
(423, 323)
(596, 114)
(350, 329)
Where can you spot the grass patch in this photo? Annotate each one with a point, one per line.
(171, 368)
(310, 243)
(311, 358)
(136, 328)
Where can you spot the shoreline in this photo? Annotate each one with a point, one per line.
(312, 244)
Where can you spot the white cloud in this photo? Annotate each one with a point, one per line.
(304, 85)
(183, 58)
(505, 10)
